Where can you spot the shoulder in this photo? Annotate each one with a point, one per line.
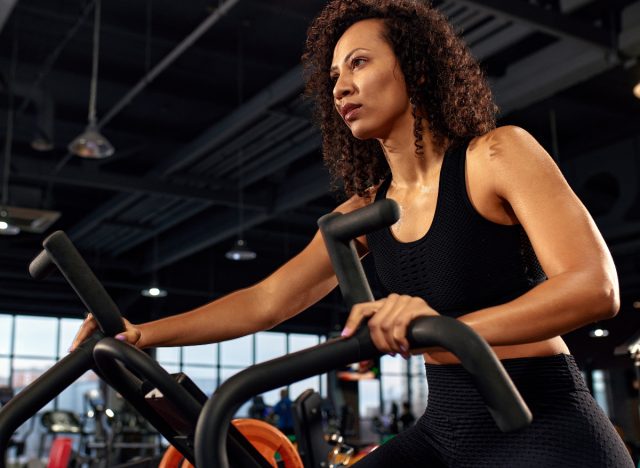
(514, 161)
(506, 144)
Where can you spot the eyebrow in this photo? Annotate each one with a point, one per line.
(347, 57)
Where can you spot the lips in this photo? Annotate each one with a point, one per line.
(348, 111)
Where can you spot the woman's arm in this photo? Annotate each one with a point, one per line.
(582, 285)
(295, 286)
(514, 172)
(298, 284)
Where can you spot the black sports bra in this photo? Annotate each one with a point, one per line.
(464, 262)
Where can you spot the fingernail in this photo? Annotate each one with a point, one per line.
(70, 349)
(392, 354)
(346, 332)
(405, 356)
(403, 348)
(120, 337)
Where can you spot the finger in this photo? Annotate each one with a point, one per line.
(87, 328)
(358, 313)
(381, 325)
(406, 315)
(131, 336)
(389, 325)
(415, 308)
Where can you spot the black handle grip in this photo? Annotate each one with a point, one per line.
(339, 229)
(503, 400)
(41, 266)
(59, 250)
(345, 227)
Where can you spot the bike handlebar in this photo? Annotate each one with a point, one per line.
(59, 251)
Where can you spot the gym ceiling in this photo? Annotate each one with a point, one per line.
(201, 101)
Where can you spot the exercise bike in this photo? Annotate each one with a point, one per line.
(198, 428)
(503, 400)
(171, 404)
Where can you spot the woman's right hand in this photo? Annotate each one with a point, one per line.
(131, 333)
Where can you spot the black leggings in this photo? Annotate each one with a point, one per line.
(568, 430)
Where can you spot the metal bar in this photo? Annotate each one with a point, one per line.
(555, 24)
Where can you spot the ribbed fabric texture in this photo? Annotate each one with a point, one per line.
(464, 262)
(569, 430)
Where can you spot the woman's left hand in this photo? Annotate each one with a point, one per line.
(389, 318)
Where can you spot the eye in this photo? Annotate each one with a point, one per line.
(357, 61)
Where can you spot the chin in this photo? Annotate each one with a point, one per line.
(362, 133)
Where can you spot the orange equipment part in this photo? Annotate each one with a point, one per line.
(263, 436)
(172, 458)
(268, 440)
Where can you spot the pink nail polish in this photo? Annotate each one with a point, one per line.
(120, 337)
(403, 348)
(346, 332)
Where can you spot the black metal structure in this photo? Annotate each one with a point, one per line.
(126, 368)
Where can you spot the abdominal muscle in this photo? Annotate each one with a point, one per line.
(547, 347)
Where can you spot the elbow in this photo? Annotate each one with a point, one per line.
(607, 300)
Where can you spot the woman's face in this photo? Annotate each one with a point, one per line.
(369, 91)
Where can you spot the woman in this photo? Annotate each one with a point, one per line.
(489, 233)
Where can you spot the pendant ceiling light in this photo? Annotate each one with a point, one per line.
(154, 290)
(91, 143)
(240, 251)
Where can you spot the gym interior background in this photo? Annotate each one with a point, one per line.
(213, 144)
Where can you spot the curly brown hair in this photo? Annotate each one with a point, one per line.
(444, 81)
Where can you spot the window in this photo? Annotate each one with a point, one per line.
(6, 326)
(68, 330)
(270, 346)
(238, 352)
(168, 356)
(600, 390)
(206, 354)
(36, 336)
(5, 366)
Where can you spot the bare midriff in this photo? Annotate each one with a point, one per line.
(548, 347)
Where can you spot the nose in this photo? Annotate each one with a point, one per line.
(343, 86)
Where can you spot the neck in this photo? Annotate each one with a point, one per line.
(407, 168)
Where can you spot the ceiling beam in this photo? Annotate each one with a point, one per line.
(302, 188)
(565, 64)
(80, 177)
(168, 59)
(553, 23)
(284, 88)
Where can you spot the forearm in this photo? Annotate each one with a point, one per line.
(238, 314)
(241, 313)
(557, 306)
